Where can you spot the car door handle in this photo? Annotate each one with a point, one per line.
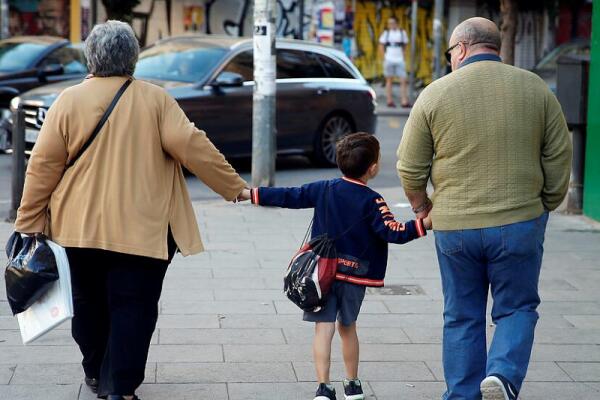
(322, 90)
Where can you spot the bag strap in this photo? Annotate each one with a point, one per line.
(101, 123)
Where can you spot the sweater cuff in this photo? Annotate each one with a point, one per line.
(421, 231)
(254, 197)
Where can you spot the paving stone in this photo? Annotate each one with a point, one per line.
(46, 392)
(582, 371)
(408, 390)
(366, 335)
(217, 307)
(584, 321)
(185, 353)
(397, 305)
(20, 354)
(303, 352)
(203, 284)
(188, 321)
(371, 371)
(280, 391)
(263, 321)
(60, 374)
(567, 336)
(221, 336)
(261, 295)
(553, 352)
(183, 392)
(559, 390)
(225, 372)
(6, 373)
(368, 307)
(569, 307)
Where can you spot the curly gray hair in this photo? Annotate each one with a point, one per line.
(112, 49)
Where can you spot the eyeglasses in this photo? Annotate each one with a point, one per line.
(448, 53)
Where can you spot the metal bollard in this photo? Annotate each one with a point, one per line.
(18, 160)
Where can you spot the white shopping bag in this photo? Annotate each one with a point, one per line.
(52, 309)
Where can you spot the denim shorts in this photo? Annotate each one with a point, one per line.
(394, 69)
(343, 303)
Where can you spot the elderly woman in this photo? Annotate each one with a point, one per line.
(121, 209)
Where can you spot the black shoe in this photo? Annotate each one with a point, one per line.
(353, 390)
(497, 387)
(92, 383)
(324, 393)
(119, 397)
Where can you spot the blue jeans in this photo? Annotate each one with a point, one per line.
(506, 259)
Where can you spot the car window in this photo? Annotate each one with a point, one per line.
(298, 64)
(334, 70)
(71, 58)
(18, 56)
(242, 64)
(178, 61)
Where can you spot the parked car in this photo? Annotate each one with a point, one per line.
(546, 68)
(27, 62)
(321, 95)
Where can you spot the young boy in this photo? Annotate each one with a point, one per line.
(363, 225)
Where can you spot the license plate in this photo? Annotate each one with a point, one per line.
(31, 135)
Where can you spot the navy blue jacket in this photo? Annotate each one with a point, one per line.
(347, 205)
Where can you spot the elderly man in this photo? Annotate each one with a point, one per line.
(494, 141)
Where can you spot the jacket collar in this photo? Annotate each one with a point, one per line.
(480, 57)
(355, 181)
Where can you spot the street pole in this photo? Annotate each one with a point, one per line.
(437, 38)
(18, 161)
(413, 50)
(300, 34)
(263, 108)
(4, 32)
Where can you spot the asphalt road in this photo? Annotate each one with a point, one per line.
(291, 171)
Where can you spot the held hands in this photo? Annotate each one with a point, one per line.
(244, 195)
(427, 223)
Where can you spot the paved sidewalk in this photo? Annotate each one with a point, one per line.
(226, 331)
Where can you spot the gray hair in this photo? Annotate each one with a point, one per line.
(112, 49)
(479, 31)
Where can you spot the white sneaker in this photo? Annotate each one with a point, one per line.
(495, 387)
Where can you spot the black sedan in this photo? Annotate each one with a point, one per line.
(27, 62)
(321, 96)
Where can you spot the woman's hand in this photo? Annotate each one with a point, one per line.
(427, 224)
(244, 195)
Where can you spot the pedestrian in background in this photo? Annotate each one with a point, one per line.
(494, 141)
(122, 209)
(392, 43)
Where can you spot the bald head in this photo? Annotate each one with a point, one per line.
(477, 32)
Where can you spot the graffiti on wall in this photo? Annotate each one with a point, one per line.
(370, 22)
(234, 17)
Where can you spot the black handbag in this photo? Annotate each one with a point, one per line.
(30, 271)
(31, 267)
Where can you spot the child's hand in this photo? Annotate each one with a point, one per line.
(244, 195)
(427, 222)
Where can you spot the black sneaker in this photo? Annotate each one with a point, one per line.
(325, 393)
(497, 387)
(92, 383)
(353, 390)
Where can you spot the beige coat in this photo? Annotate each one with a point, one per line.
(128, 187)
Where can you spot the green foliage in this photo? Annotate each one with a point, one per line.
(121, 10)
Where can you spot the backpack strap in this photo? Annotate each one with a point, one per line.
(101, 123)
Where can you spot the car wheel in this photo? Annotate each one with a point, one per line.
(332, 129)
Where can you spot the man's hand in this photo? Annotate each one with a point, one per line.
(244, 195)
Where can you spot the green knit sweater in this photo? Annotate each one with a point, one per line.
(495, 143)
